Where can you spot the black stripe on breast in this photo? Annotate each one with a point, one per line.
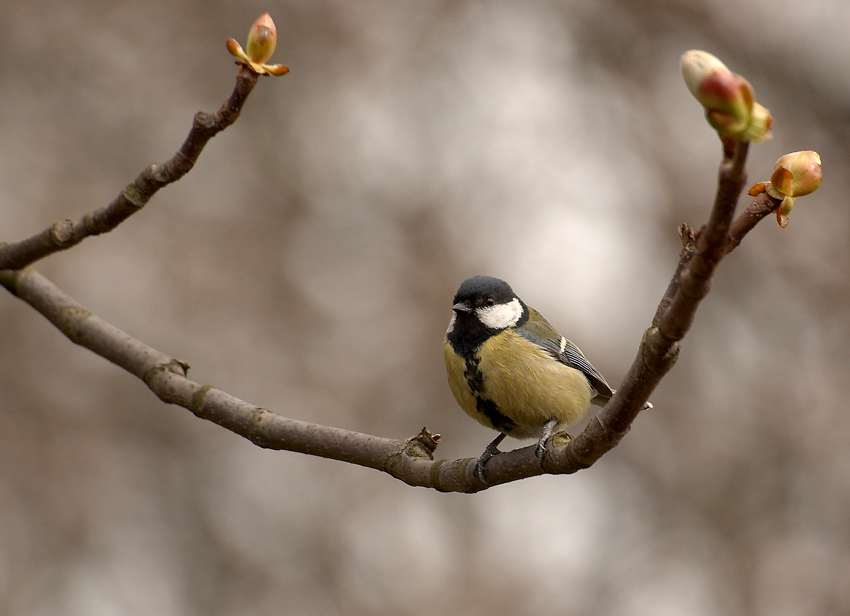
(475, 380)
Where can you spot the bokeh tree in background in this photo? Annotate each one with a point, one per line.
(412, 145)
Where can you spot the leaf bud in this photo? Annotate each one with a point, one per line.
(795, 175)
(729, 100)
(262, 39)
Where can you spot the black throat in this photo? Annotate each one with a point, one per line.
(468, 334)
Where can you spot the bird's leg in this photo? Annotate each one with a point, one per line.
(489, 451)
(545, 435)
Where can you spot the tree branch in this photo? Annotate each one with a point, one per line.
(411, 460)
(659, 347)
(166, 377)
(64, 234)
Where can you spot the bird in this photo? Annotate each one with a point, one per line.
(511, 371)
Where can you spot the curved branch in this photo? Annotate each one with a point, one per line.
(166, 377)
(659, 347)
(411, 460)
(64, 234)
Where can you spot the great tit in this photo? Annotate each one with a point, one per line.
(510, 370)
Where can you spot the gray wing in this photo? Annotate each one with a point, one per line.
(569, 354)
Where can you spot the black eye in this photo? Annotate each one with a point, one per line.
(490, 302)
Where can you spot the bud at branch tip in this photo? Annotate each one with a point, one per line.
(796, 174)
(728, 99)
(262, 39)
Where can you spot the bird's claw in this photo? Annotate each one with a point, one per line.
(540, 450)
(479, 467)
(545, 435)
(489, 451)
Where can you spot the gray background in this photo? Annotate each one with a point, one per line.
(307, 265)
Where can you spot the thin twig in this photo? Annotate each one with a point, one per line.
(64, 234)
(659, 347)
(761, 206)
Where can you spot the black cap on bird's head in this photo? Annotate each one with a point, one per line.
(483, 305)
(480, 289)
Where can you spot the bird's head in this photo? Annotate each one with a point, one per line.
(486, 303)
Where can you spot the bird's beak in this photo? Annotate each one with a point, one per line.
(461, 307)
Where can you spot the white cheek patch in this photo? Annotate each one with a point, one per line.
(452, 323)
(500, 316)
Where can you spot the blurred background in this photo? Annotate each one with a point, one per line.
(308, 262)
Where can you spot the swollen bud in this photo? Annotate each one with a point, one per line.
(795, 175)
(262, 39)
(729, 100)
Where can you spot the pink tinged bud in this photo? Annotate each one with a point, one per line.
(795, 175)
(728, 98)
(262, 39)
(697, 66)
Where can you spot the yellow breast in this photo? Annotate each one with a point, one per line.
(524, 382)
